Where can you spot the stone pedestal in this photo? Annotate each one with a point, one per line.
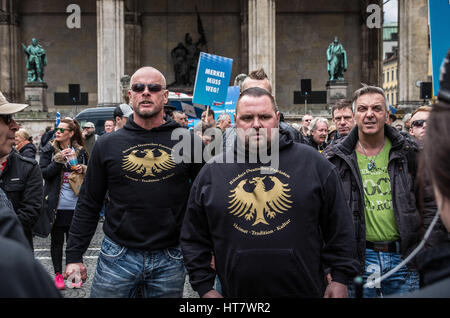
(336, 90)
(36, 96)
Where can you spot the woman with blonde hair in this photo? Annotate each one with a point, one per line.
(24, 144)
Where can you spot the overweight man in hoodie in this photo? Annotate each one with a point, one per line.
(148, 193)
(274, 230)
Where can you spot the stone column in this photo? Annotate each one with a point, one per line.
(261, 37)
(133, 36)
(110, 51)
(371, 48)
(413, 48)
(244, 36)
(10, 57)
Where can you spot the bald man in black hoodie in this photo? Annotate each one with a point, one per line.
(148, 193)
(273, 230)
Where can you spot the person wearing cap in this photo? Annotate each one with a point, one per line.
(21, 177)
(121, 114)
(89, 136)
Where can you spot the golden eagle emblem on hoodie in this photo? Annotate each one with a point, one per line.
(148, 162)
(259, 198)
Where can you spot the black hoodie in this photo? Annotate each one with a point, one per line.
(148, 191)
(272, 234)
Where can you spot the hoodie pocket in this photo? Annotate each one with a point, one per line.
(146, 226)
(270, 273)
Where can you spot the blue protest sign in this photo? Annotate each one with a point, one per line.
(439, 13)
(212, 79)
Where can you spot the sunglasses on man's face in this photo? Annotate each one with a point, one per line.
(152, 88)
(7, 119)
(418, 123)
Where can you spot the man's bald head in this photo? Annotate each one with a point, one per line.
(145, 69)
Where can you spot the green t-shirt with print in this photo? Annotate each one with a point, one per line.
(378, 210)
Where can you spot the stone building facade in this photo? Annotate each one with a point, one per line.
(288, 38)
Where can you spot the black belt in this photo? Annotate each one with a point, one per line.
(392, 247)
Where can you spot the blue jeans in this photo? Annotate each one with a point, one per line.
(378, 264)
(121, 271)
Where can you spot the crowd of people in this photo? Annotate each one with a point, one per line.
(350, 198)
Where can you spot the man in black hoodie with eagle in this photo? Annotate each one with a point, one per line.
(274, 231)
(148, 192)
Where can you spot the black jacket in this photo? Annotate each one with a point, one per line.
(272, 234)
(401, 169)
(53, 167)
(309, 140)
(295, 135)
(46, 137)
(148, 191)
(10, 226)
(21, 180)
(21, 275)
(28, 151)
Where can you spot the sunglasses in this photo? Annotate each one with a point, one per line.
(418, 123)
(62, 130)
(152, 88)
(6, 119)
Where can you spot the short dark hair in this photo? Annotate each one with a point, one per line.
(392, 117)
(257, 92)
(258, 74)
(210, 112)
(180, 112)
(341, 104)
(368, 89)
(118, 112)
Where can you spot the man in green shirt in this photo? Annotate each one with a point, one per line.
(377, 166)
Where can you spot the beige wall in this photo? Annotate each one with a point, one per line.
(71, 53)
(304, 29)
(303, 32)
(165, 22)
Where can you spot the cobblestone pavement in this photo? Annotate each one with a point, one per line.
(42, 254)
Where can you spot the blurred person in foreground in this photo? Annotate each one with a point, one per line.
(435, 263)
(20, 177)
